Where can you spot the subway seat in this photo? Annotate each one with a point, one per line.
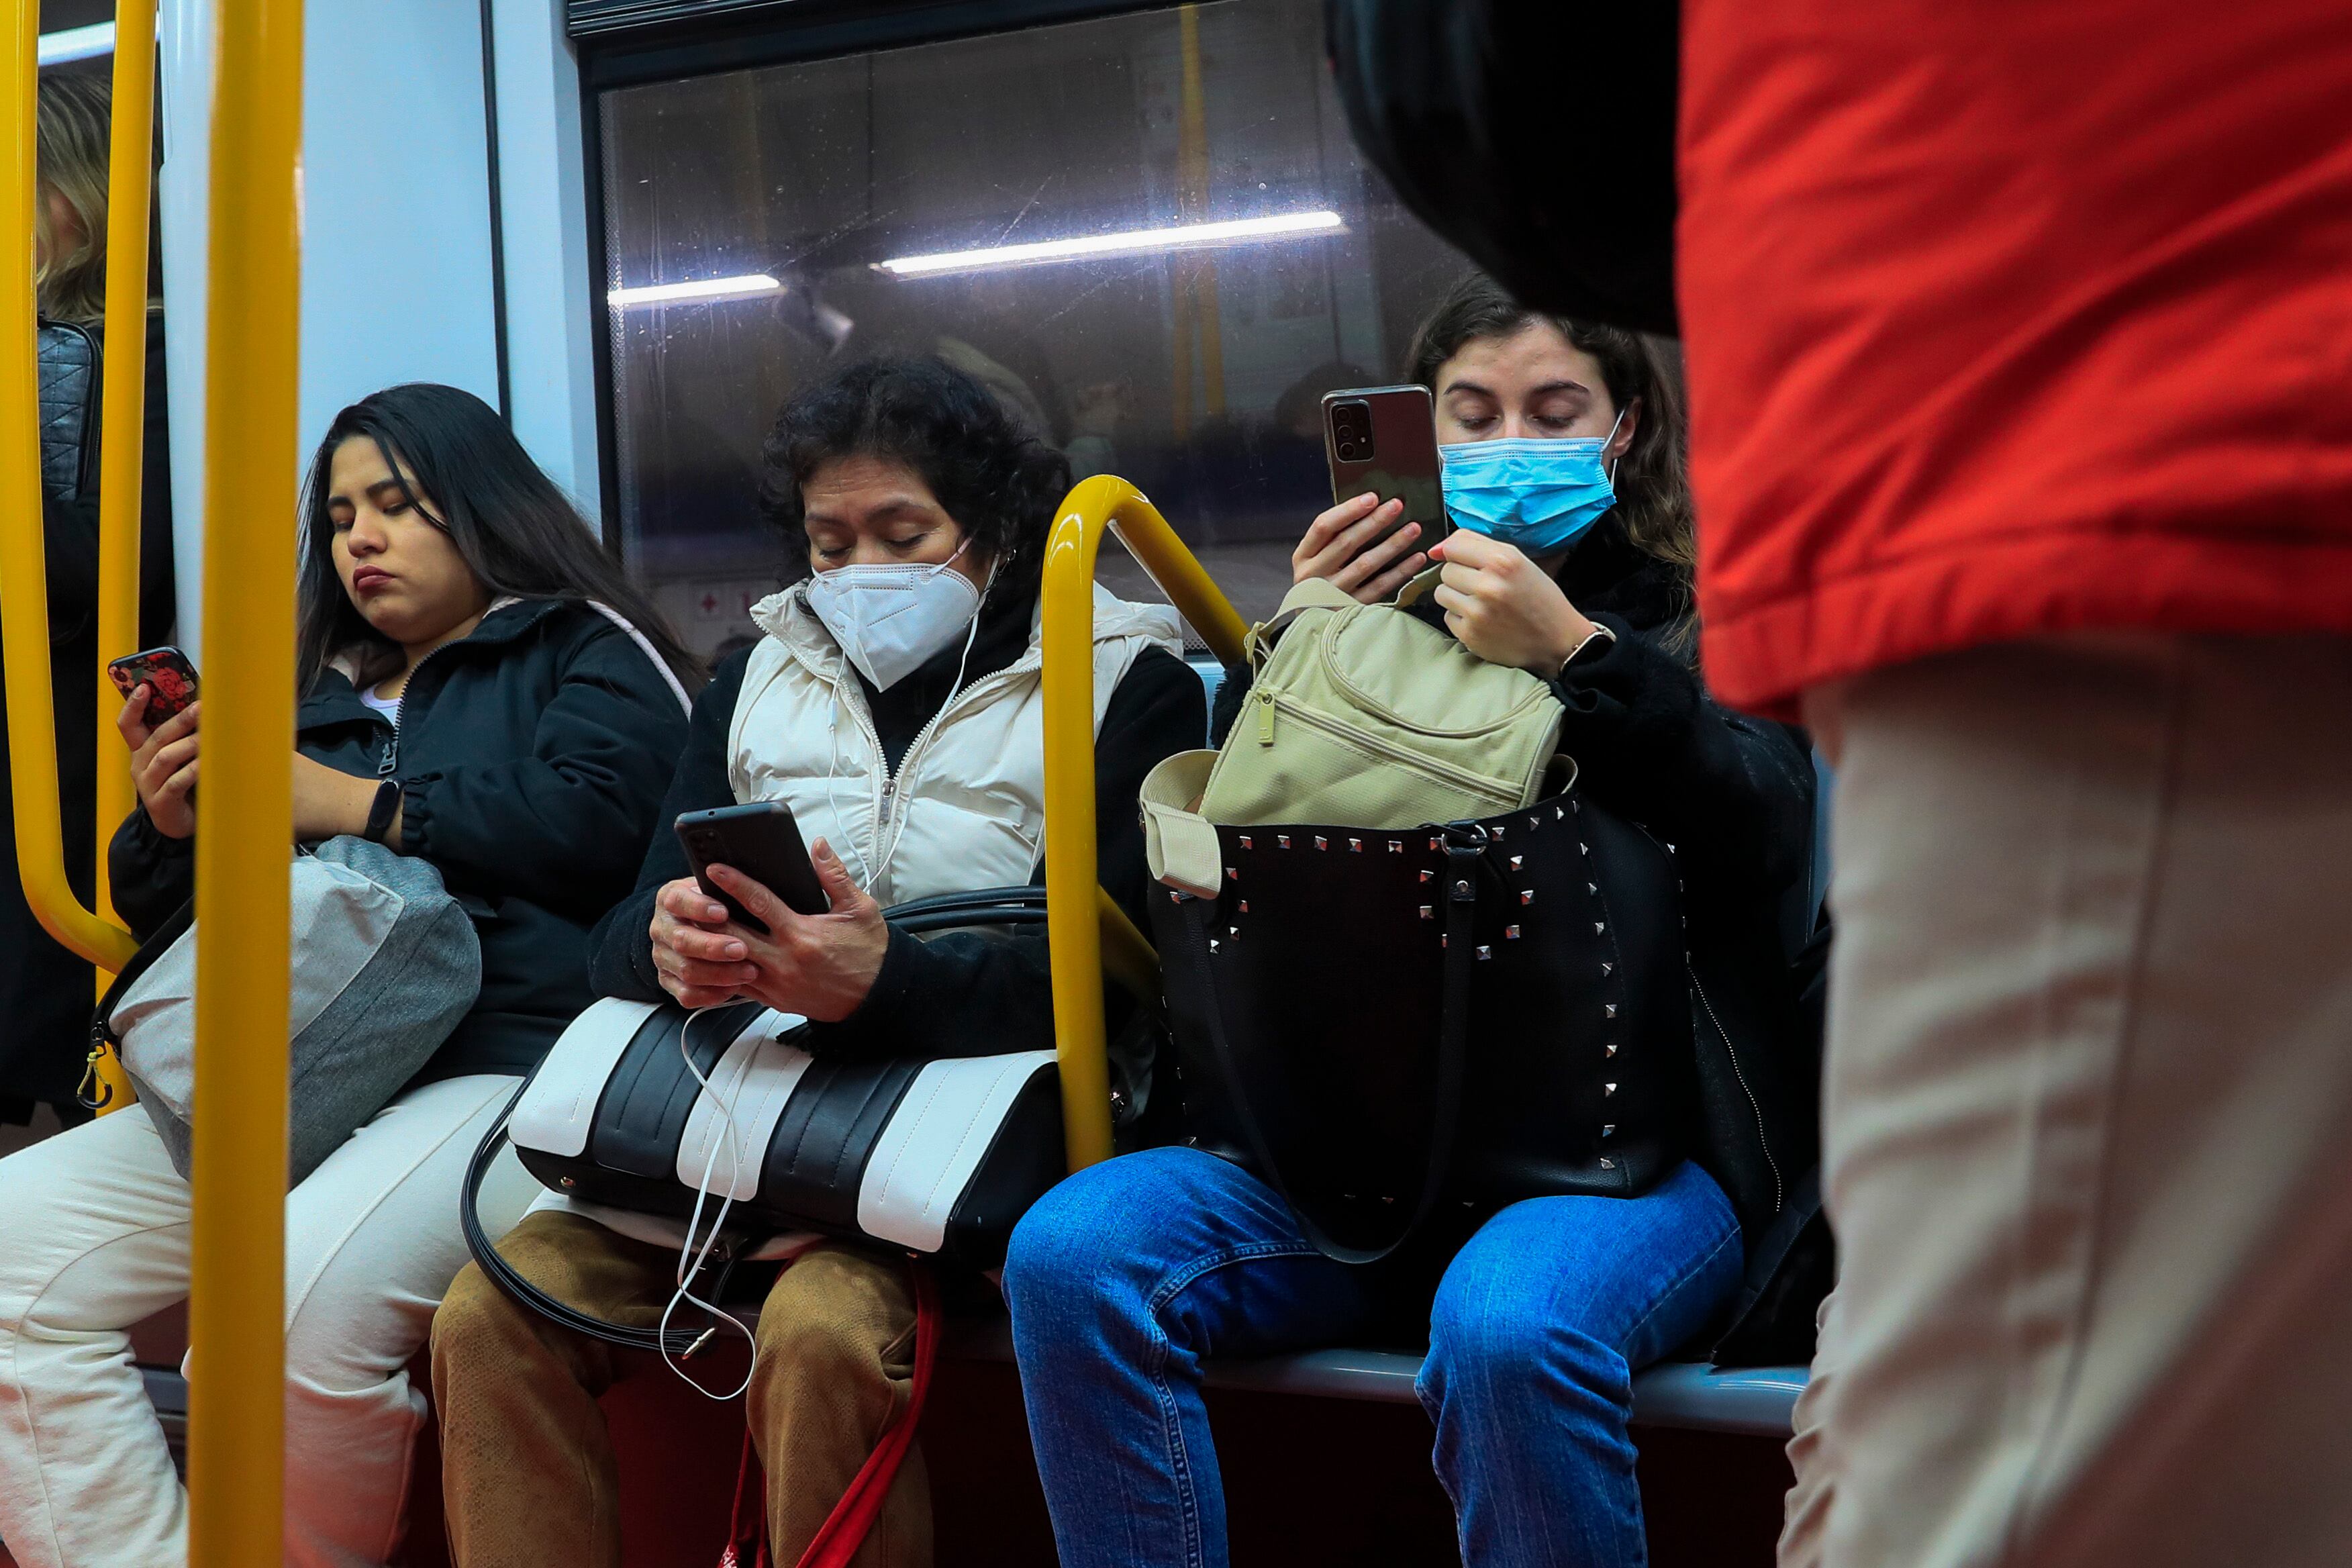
(1749, 1401)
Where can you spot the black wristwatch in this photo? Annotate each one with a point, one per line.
(382, 810)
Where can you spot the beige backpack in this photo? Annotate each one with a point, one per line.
(1358, 715)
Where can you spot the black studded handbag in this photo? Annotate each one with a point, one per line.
(1386, 1024)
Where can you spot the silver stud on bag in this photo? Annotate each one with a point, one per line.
(1584, 849)
(1462, 889)
(1245, 842)
(1607, 1089)
(1609, 1129)
(1485, 952)
(567, 1180)
(1427, 875)
(1355, 846)
(1437, 844)
(1534, 823)
(1510, 933)
(1498, 830)
(1244, 905)
(1592, 888)
(1599, 927)
(1610, 1049)
(1527, 896)
(1609, 1009)
(1429, 911)
(1282, 840)
(1396, 846)
(1233, 874)
(1213, 944)
(1607, 970)
(1321, 842)
(1607, 1164)
(1518, 861)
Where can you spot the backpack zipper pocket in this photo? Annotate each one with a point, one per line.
(1506, 796)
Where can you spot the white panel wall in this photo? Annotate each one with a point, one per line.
(396, 278)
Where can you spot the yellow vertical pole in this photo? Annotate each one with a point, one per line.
(1073, 926)
(123, 406)
(23, 580)
(245, 808)
(122, 444)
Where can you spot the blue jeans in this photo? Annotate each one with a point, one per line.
(1125, 1277)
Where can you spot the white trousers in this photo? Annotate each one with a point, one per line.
(2088, 1113)
(94, 1237)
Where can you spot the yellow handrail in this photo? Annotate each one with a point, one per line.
(123, 449)
(122, 400)
(23, 580)
(245, 807)
(1072, 926)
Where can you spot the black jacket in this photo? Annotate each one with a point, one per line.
(532, 756)
(46, 993)
(1734, 797)
(953, 995)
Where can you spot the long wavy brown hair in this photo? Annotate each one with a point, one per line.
(74, 122)
(1654, 498)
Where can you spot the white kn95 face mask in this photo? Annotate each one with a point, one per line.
(890, 619)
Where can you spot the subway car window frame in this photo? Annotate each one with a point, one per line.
(1148, 118)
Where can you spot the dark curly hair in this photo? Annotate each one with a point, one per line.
(987, 470)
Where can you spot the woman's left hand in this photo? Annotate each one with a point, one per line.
(1503, 607)
(328, 803)
(819, 966)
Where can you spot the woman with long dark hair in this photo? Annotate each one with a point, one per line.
(1571, 558)
(481, 689)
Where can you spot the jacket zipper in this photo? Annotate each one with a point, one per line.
(885, 828)
(1779, 1192)
(1461, 778)
(392, 747)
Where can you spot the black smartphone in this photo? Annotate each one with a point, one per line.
(170, 679)
(762, 841)
(1384, 439)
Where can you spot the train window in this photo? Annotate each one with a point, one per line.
(1148, 233)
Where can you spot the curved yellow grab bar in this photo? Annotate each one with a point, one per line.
(24, 567)
(245, 808)
(1072, 926)
(122, 400)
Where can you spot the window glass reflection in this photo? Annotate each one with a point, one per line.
(1149, 234)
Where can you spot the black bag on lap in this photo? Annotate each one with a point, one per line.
(1385, 1024)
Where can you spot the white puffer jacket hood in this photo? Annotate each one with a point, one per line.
(967, 808)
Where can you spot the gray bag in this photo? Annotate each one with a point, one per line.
(385, 962)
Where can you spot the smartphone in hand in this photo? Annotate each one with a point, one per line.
(170, 679)
(762, 840)
(1384, 439)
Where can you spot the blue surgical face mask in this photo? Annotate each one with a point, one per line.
(1537, 494)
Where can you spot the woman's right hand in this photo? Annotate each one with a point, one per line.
(1334, 548)
(701, 962)
(162, 764)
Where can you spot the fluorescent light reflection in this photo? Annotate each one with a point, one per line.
(705, 289)
(76, 43)
(1134, 242)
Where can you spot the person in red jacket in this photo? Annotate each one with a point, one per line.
(2019, 342)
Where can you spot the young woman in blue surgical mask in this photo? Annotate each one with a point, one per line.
(893, 701)
(1571, 558)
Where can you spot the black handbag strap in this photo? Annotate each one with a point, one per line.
(1462, 868)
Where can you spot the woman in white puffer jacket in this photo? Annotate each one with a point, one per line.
(895, 703)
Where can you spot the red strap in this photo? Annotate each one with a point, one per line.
(844, 1530)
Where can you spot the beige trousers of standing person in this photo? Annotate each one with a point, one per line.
(94, 1237)
(2088, 1113)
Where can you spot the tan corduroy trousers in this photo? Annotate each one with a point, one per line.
(2088, 1113)
(528, 1466)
